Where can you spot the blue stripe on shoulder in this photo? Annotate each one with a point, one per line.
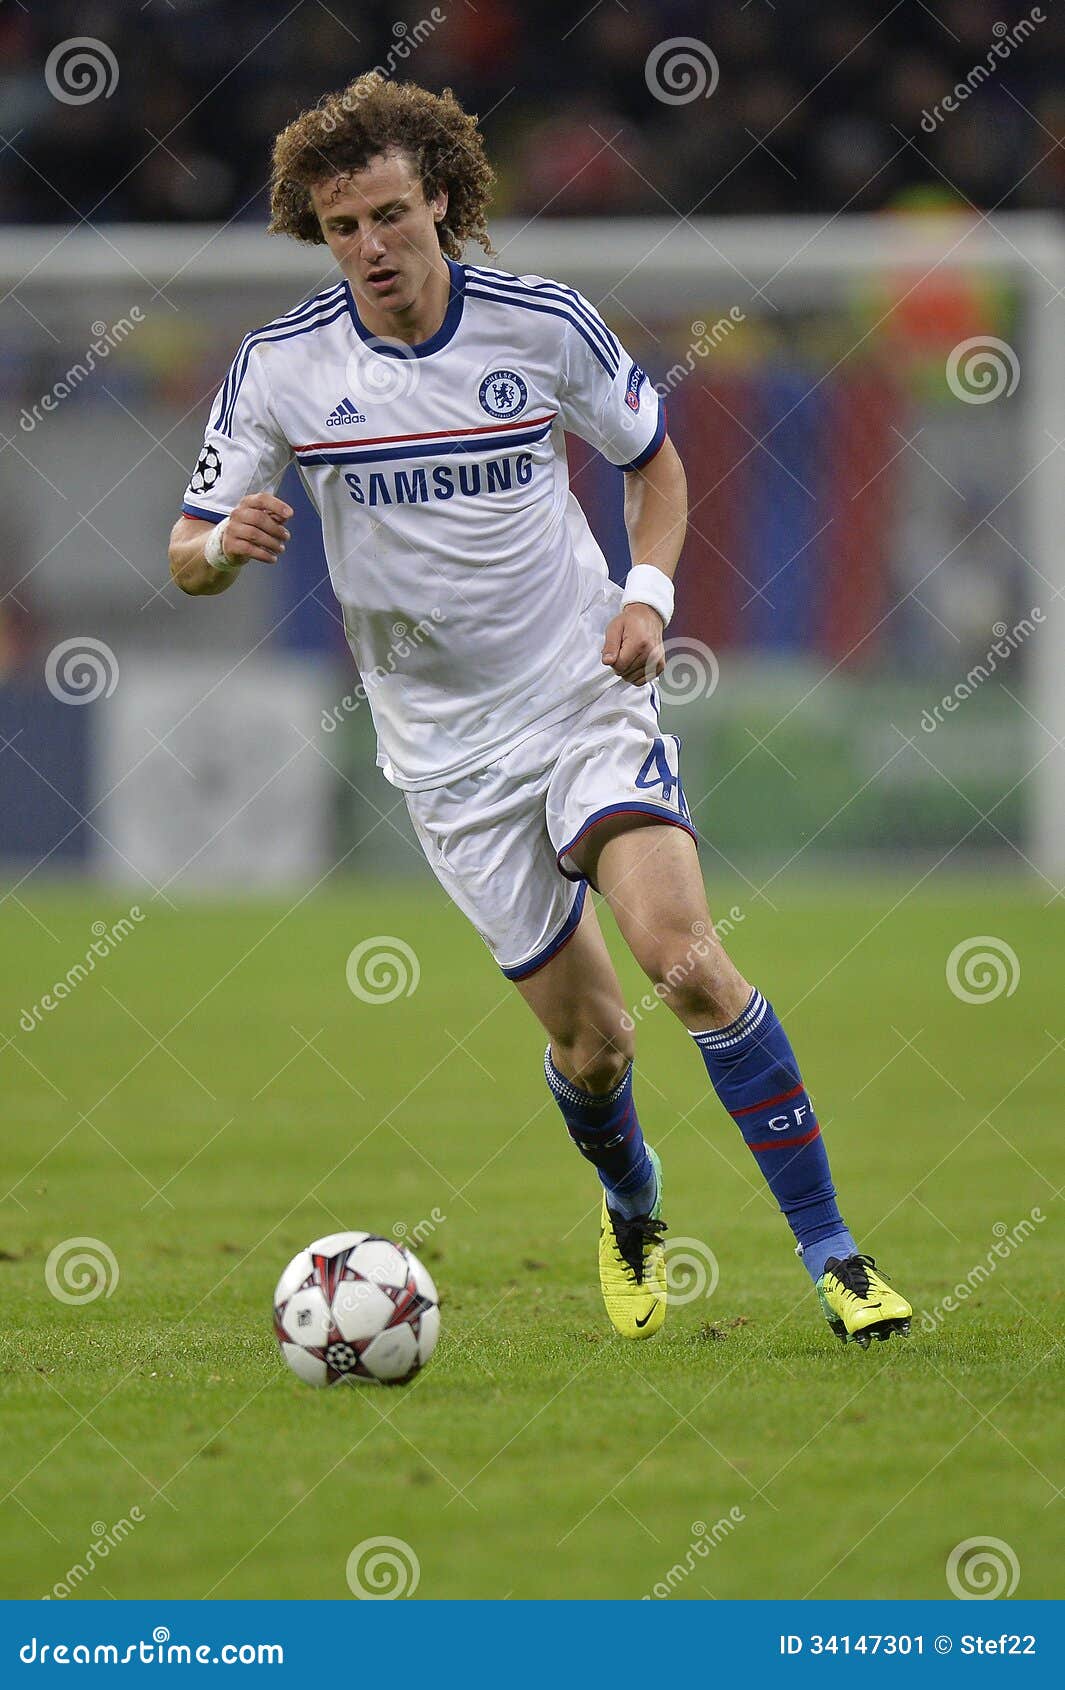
(553, 290)
(559, 310)
(304, 311)
(304, 320)
(547, 284)
(262, 338)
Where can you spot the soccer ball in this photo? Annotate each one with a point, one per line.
(354, 1307)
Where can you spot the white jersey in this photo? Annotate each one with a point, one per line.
(474, 596)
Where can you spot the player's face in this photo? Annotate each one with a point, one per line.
(381, 229)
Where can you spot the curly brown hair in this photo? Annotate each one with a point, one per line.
(350, 127)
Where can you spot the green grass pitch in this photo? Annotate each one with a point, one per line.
(212, 1097)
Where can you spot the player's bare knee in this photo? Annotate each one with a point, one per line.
(697, 979)
(592, 1057)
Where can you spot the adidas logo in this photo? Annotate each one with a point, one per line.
(345, 412)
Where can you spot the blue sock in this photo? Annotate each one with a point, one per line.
(753, 1070)
(606, 1131)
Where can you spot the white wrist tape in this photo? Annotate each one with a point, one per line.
(214, 551)
(645, 584)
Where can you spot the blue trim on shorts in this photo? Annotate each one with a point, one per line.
(553, 946)
(620, 810)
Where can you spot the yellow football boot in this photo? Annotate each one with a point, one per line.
(632, 1267)
(858, 1302)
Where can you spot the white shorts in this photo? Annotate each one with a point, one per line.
(499, 840)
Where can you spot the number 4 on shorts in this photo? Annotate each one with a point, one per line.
(662, 775)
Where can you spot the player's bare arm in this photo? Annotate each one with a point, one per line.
(255, 529)
(656, 517)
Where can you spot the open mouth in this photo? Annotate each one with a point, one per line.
(382, 279)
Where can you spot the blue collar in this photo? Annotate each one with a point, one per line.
(452, 318)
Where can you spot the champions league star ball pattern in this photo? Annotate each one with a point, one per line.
(355, 1307)
(208, 470)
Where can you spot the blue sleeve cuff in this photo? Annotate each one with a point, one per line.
(201, 515)
(655, 443)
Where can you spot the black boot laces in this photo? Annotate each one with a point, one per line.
(853, 1274)
(633, 1237)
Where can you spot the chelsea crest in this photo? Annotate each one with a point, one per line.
(503, 394)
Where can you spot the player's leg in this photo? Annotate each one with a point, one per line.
(649, 873)
(650, 876)
(577, 999)
(589, 1067)
(485, 839)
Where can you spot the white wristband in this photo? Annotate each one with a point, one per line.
(214, 552)
(645, 584)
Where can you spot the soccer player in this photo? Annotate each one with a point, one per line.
(424, 402)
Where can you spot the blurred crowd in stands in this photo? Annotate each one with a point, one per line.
(816, 105)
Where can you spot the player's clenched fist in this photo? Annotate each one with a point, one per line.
(633, 644)
(255, 529)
